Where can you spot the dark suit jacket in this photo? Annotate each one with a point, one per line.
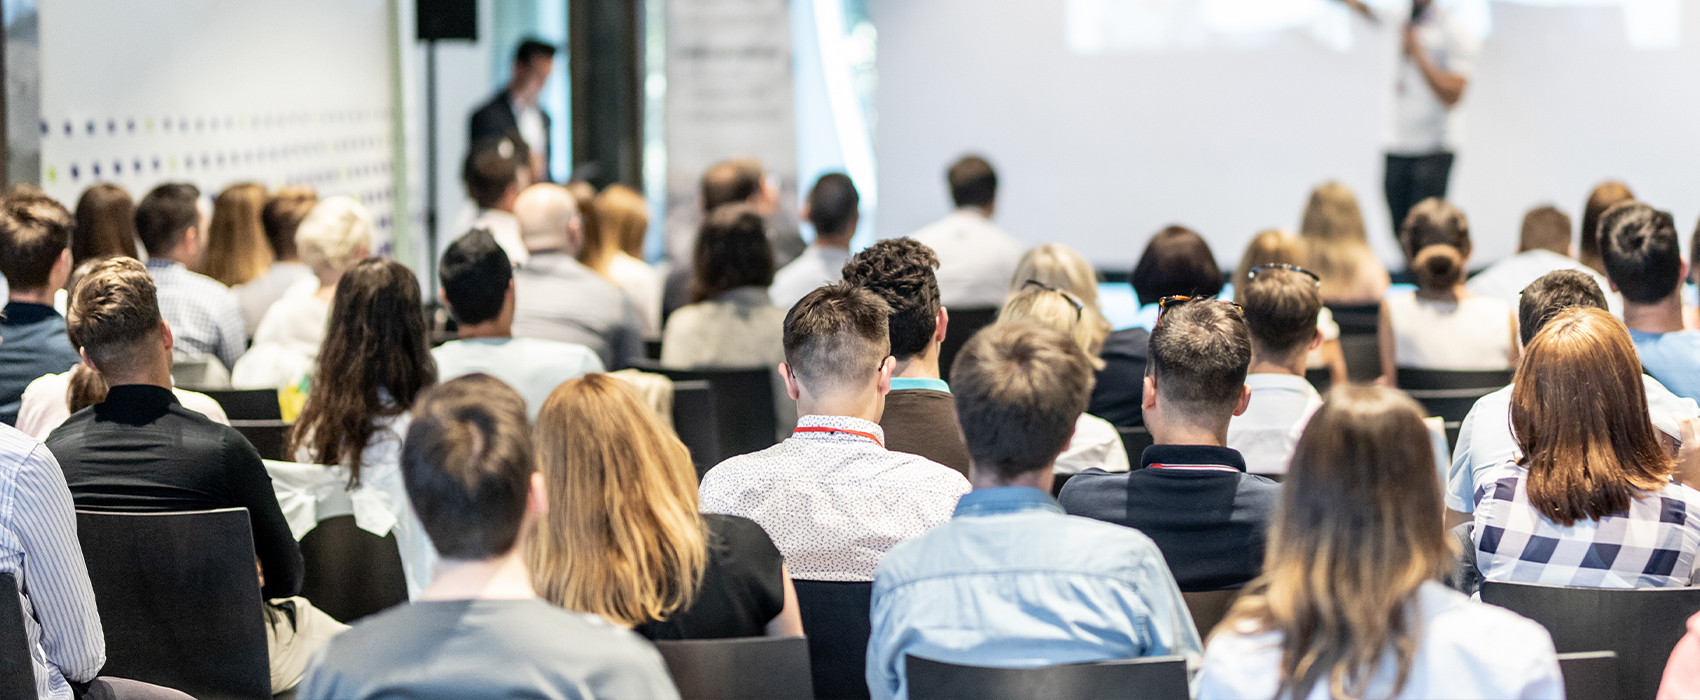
(496, 117)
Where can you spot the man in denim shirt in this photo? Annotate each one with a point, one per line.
(1011, 580)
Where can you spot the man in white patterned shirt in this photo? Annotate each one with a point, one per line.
(205, 317)
(831, 496)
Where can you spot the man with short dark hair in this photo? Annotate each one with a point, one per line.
(976, 258)
(478, 289)
(495, 173)
(205, 317)
(515, 108)
(832, 209)
(35, 257)
(479, 630)
(556, 296)
(1193, 496)
(920, 415)
(1543, 247)
(1281, 307)
(1639, 247)
(1011, 580)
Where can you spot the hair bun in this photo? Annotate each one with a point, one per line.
(1438, 267)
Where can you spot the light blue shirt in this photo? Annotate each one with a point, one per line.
(532, 366)
(1011, 581)
(901, 383)
(1672, 358)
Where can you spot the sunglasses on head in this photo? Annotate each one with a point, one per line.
(1073, 300)
(1169, 302)
(1283, 266)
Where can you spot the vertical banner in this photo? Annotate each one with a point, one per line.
(728, 95)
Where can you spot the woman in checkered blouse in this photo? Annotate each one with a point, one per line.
(1597, 500)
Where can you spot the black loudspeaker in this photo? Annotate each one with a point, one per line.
(447, 19)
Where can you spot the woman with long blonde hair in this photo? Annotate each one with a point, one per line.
(1095, 444)
(1333, 232)
(1350, 604)
(1277, 247)
(622, 218)
(623, 537)
(237, 250)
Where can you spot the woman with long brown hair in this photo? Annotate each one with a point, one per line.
(374, 363)
(1350, 603)
(1592, 502)
(237, 251)
(1442, 325)
(623, 537)
(106, 224)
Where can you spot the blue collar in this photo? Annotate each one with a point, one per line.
(902, 383)
(1004, 500)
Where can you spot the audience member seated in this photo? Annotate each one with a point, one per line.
(1642, 258)
(737, 181)
(279, 218)
(1333, 231)
(1281, 304)
(1350, 604)
(1274, 247)
(1591, 502)
(1604, 196)
(106, 224)
(832, 209)
(478, 288)
(976, 258)
(1061, 267)
(140, 451)
(336, 234)
(206, 320)
(622, 222)
(831, 496)
(1193, 496)
(920, 415)
(1011, 580)
(1095, 443)
(373, 366)
(1543, 247)
(1484, 438)
(731, 321)
(556, 296)
(236, 241)
(35, 235)
(1177, 262)
(623, 537)
(480, 630)
(1441, 325)
(496, 171)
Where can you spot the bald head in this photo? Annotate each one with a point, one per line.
(548, 219)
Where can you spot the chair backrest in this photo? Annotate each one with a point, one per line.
(179, 599)
(751, 668)
(835, 614)
(247, 404)
(200, 375)
(1359, 324)
(1134, 440)
(1641, 624)
(695, 422)
(1151, 678)
(1590, 674)
(17, 675)
(964, 323)
(743, 419)
(1450, 395)
(1208, 608)
(1357, 319)
(351, 573)
(269, 437)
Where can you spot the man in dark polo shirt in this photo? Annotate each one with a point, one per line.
(1192, 495)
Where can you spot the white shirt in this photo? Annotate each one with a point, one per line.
(1422, 124)
(529, 119)
(287, 342)
(1281, 405)
(1095, 444)
(258, 295)
(833, 499)
(44, 405)
(815, 268)
(1464, 649)
(1485, 440)
(642, 284)
(1473, 333)
(532, 366)
(1505, 280)
(977, 259)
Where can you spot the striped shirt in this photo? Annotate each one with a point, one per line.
(205, 317)
(39, 547)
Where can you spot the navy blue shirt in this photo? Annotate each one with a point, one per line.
(1196, 502)
(1120, 389)
(32, 343)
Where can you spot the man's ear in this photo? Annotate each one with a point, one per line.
(792, 388)
(1245, 400)
(888, 366)
(944, 323)
(165, 334)
(1316, 342)
(537, 501)
(62, 266)
(1148, 399)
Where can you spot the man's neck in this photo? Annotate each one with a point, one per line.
(502, 578)
(1041, 479)
(1187, 433)
(1665, 316)
(493, 328)
(833, 243)
(42, 296)
(860, 405)
(922, 366)
(158, 376)
(1269, 363)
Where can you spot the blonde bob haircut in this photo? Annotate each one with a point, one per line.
(1061, 267)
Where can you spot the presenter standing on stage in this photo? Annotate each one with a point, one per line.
(515, 108)
(1438, 56)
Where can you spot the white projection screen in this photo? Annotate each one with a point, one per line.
(1108, 119)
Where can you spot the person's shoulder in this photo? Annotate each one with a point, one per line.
(1453, 618)
(1094, 483)
(1130, 342)
(923, 471)
(544, 351)
(19, 447)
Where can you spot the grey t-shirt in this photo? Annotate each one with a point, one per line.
(472, 649)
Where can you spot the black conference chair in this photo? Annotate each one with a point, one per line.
(1641, 625)
(1208, 608)
(351, 573)
(257, 415)
(17, 675)
(1151, 678)
(1321, 378)
(1450, 395)
(751, 668)
(743, 418)
(1590, 674)
(1359, 325)
(835, 616)
(1134, 440)
(179, 599)
(695, 422)
(964, 323)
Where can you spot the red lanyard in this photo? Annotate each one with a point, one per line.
(824, 429)
(1195, 467)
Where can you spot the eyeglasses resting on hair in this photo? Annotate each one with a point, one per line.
(1079, 307)
(1283, 266)
(1166, 303)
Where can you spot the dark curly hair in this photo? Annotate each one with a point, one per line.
(732, 252)
(900, 270)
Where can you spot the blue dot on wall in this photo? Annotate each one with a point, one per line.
(136, 165)
(94, 169)
(117, 167)
(89, 127)
(67, 128)
(75, 173)
(156, 162)
(130, 125)
(44, 128)
(111, 126)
